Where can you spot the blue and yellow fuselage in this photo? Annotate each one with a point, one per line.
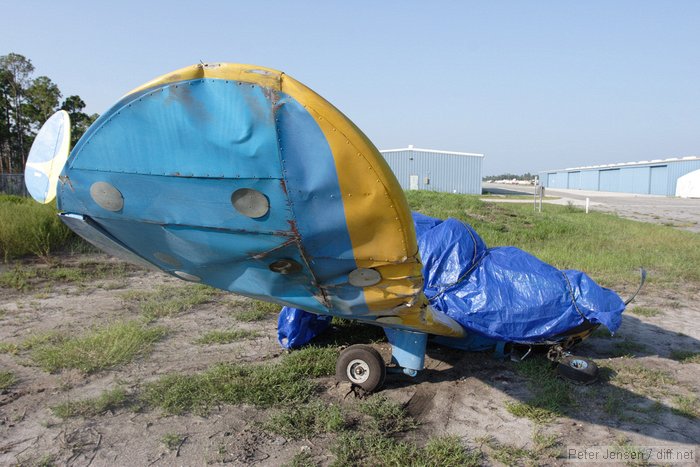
(242, 178)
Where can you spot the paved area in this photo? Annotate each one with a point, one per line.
(677, 212)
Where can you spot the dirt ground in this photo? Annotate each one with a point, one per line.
(464, 394)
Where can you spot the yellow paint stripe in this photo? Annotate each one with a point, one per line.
(376, 211)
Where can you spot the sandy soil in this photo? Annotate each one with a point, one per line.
(459, 393)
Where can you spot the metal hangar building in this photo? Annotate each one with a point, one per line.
(433, 170)
(657, 177)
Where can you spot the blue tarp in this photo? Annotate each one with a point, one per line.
(501, 293)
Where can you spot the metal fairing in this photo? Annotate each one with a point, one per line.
(157, 173)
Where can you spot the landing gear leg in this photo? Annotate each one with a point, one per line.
(407, 350)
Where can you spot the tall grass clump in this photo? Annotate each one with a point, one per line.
(101, 348)
(30, 228)
(610, 249)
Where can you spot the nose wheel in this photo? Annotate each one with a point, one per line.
(362, 366)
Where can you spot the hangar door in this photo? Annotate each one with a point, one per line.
(574, 181)
(658, 181)
(610, 180)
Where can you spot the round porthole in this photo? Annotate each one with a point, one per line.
(251, 203)
(106, 196)
(364, 277)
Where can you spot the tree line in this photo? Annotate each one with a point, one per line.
(509, 176)
(25, 104)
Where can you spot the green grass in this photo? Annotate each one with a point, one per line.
(684, 356)
(645, 311)
(301, 459)
(544, 447)
(101, 348)
(610, 249)
(307, 421)
(30, 228)
(387, 416)
(627, 348)
(170, 300)
(105, 402)
(172, 441)
(686, 406)
(285, 383)
(368, 448)
(642, 380)
(7, 380)
(551, 396)
(24, 278)
(255, 310)
(31, 342)
(225, 337)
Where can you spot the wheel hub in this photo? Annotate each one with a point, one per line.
(358, 371)
(579, 364)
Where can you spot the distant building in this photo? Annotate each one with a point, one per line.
(429, 169)
(657, 177)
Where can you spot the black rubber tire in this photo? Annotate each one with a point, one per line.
(579, 369)
(362, 366)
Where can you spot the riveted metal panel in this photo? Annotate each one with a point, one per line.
(610, 180)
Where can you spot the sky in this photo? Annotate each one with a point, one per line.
(533, 85)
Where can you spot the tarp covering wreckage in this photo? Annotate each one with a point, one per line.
(501, 293)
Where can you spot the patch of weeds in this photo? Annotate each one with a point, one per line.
(8, 347)
(26, 278)
(505, 453)
(256, 310)
(449, 451)
(170, 300)
(105, 402)
(30, 228)
(552, 396)
(645, 311)
(547, 446)
(18, 278)
(307, 421)
(645, 381)
(532, 411)
(225, 337)
(101, 348)
(685, 356)
(43, 338)
(544, 447)
(572, 208)
(633, 455)
(627, 348)
(284, 383)
(378, 449)
(388, 417)
(47, 460)
(302, 459)
(686, 406)
(7, 380)
(172, 441)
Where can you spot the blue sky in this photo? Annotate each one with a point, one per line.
(531, 84)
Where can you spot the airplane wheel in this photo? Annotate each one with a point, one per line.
(362, 366)
(579, 369)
